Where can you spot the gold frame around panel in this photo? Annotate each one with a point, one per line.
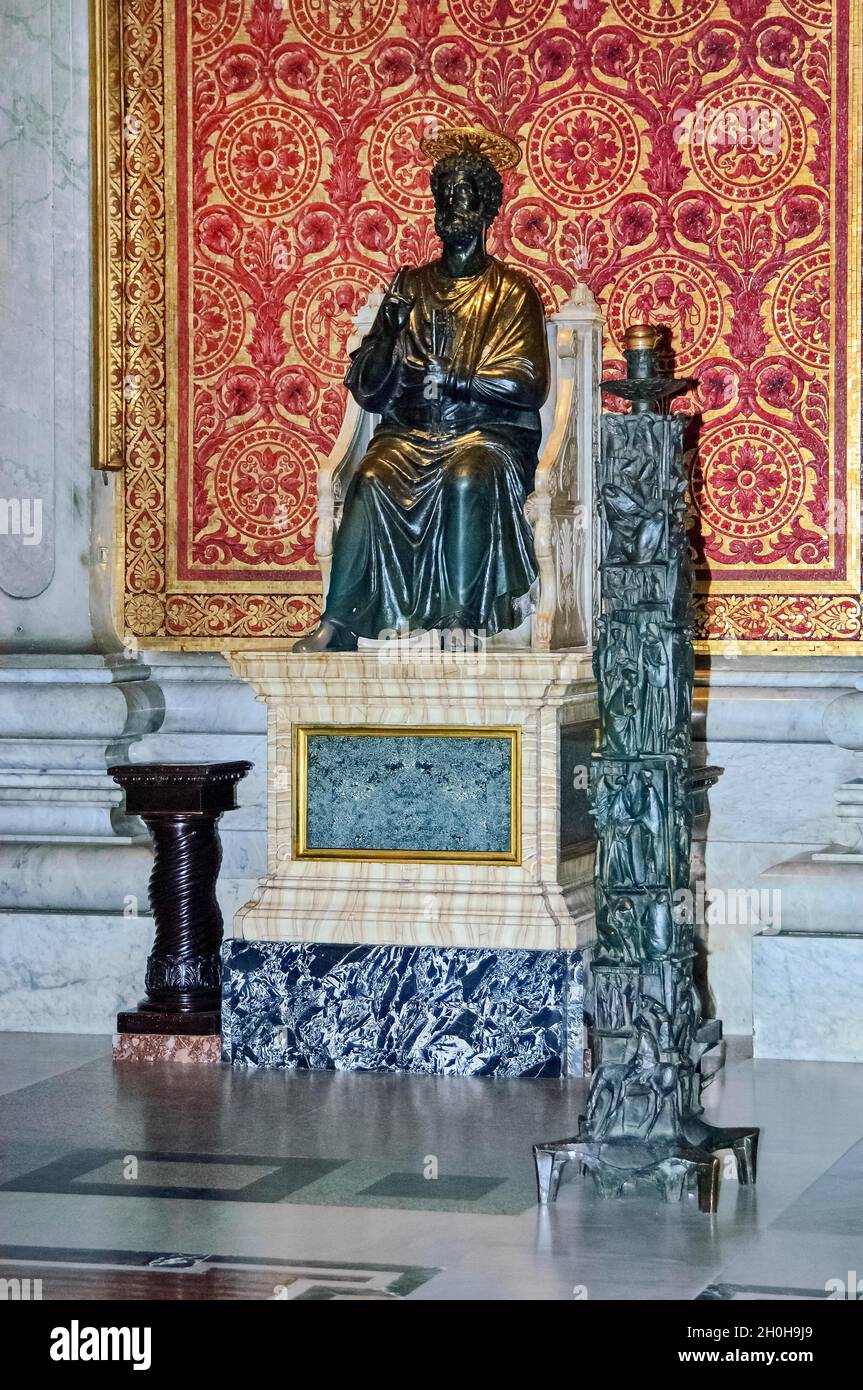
(301, 734)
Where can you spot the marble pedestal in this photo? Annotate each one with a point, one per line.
(471, 934)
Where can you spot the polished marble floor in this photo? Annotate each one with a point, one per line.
(195, 1181)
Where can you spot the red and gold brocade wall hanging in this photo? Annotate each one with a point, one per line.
(696, 162)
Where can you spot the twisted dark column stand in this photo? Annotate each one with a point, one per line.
(643, 1124)
(183, 970)
(181, 803)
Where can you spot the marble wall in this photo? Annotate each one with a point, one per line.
(45, 477)
(807, 992)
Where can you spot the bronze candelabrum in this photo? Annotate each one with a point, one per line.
(643, 1123)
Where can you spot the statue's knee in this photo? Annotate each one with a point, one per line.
(370, 472)
(471, 474)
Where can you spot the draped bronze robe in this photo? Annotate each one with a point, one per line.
(433, 531)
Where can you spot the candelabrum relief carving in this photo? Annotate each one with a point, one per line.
(643, 1122)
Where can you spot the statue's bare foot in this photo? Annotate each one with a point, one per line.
(460, 634)
(327, 637)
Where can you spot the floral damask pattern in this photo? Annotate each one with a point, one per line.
(687, 160)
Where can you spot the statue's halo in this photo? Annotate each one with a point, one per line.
(499, 150)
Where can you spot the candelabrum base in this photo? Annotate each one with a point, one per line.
(670, 1165)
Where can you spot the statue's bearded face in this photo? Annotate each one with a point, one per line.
(460, 208)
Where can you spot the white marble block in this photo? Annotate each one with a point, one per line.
(808, 996)
(543, 901)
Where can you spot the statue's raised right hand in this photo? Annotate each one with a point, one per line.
(395, 307)
(394, 312)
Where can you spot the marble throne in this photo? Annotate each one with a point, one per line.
(428, 897)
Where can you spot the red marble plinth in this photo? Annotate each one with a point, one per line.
(167, 1047)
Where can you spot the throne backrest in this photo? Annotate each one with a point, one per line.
(560, 509)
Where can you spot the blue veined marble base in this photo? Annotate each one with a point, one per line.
(440, 1010)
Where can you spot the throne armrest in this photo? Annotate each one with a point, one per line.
(336, 470)
(560, 507)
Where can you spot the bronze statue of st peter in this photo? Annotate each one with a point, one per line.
(433, 532)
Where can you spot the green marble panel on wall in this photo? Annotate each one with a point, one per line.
(410, 794)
